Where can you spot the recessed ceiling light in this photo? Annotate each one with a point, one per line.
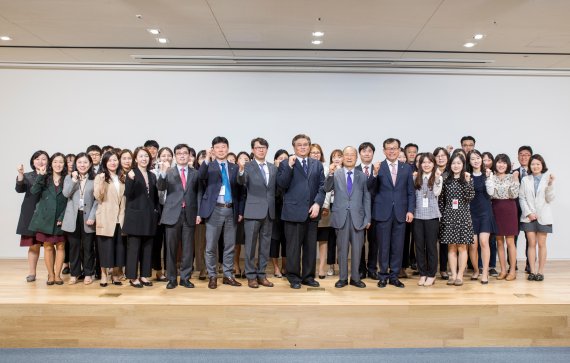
(469, 45)
(478, 36)
(318, 34)
(317, 42)
(162, 40)
(5, 38)
(153, 31)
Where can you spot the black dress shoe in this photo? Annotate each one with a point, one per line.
(322, 277)
(358, 283)
(171, 285)
(117, 283)
(373, 276)
(362, 275)
(146, 283)
(161, 279)
(341, 283)
(187, 284)
(138, 286)
(295, 285)
(65, 271)
(103, 284)
(397, 283)
(58, 282)
(311, 283)
(213, 283)
(382, 283)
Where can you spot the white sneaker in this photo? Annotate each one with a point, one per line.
(330, 272)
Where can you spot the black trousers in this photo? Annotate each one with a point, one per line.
(158, 246)
(179, 233)
(442, 257)
(372, 265)
(139, 247)
(301, 250)
(331, 247)
(112, 249)
(81, 252)
(425, 237)
(409, 257)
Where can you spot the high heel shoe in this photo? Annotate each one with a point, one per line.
(146, 283)
(137, 285)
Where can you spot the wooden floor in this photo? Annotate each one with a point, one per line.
(517, 313)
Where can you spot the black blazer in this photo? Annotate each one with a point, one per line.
(28, 204)
(141, 207)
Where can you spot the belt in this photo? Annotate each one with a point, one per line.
(225, 205)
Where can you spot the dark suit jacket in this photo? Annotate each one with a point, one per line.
(176, 194)
(28, 204)
(50, 208)
(141, 208)
(400, 198)
(371, 176)
(300, 190)
(260, 200)
(211, 177)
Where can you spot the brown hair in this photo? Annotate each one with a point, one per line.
(420, 176)
(539, 158)
(334, 153)
(318, 147)
(136, 153)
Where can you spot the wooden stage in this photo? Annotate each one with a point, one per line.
(517, 313)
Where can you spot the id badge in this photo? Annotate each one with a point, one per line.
(223, 190)
(425, 202)
(455, 203)
(81, 202)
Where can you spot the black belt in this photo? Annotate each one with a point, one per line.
(225, 205)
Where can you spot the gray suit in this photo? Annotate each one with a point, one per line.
(80, 236)
(259, 215)
(349, 216)
(179, 218)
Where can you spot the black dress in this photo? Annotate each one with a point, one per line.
(456, 225)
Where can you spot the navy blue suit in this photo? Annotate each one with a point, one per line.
(300, 191)
(211, 177)
(391, 204)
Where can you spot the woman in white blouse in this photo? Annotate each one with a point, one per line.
(535, 196)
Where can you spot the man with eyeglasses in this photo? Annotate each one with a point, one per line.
(524, 154)
(258, 177)
(302, 180)
(180, 214)
(393, 206)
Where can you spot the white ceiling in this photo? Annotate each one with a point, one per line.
(360, 35)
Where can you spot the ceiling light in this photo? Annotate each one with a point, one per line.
(318, 34)
(162, 40)
(153, 31)
(317, 42)
(478, 36)
(5, 38)
(469, 45)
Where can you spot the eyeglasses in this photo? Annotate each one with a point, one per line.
(392, 148)
(302, 145)
(260, 147)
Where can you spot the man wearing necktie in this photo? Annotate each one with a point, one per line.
(258, 177)
(366, 151)
(180, 214)
(524, 154)
(302, 180)
(394, 204)
(350, 215)
(220, 208)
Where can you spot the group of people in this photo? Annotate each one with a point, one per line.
(117, 214)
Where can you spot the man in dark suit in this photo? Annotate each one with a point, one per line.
(180, 214)
(350, 214)
(219, 206)
(302, 180)
(366, 151)
(394, 204)
(258, 177)
(524, 154)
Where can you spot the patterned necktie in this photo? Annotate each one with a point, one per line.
(366, 172)
(349, 183)
(183, 177)
(226, 182)
(305, 166)
(261, 167)
(394, 173)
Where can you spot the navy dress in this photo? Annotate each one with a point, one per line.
(481, 208)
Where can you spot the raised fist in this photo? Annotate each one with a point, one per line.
(292, 160)
(131, 175)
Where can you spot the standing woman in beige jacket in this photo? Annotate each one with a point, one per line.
(535, 196)
(109, 192)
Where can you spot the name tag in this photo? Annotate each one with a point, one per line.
(223, 190)
(455, 203)
(425, 202)
(81, 202)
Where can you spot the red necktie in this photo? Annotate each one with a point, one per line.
(366, 172)
(183, 177)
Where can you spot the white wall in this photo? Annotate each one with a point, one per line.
(66, 110)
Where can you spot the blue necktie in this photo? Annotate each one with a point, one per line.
(226, 182)
(305, 167)
(349, 183)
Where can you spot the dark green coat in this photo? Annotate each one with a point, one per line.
(50, 207)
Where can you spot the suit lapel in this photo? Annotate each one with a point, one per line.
(300, 167)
